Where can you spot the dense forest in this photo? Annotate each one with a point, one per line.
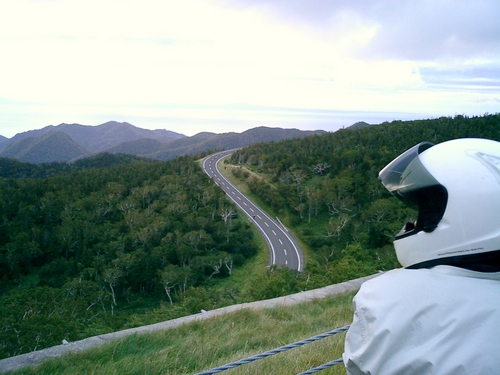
(13, 168)
(82, 252)
(114, 241)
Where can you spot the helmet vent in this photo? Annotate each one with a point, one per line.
(491, 162)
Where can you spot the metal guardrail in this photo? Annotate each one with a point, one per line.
(280, 350)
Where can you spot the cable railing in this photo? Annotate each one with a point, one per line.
(280, 350)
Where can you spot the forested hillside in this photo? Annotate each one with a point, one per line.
(326, 188)
(98, 250)
(12, 168)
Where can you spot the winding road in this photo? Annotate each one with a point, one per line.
(283, 250)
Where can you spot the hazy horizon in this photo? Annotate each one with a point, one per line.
(286, 118)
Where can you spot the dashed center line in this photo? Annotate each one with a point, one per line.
(252, 212)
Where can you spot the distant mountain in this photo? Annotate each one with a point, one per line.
(54, 146)
(2, 140)
(139, 147)
(185, 146)
(102, 137)
(209, 141)
(68, 142)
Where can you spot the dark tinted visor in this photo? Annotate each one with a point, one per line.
(405, 174)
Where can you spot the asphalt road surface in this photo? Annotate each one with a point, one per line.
(283, 250)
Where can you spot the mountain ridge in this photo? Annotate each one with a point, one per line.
(55, 146)
(75, 141)
(100, 137)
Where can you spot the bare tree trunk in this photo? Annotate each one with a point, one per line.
(167, 290)
(112, 293)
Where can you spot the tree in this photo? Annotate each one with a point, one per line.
(170, 277)
(336, 225)
(227, 214)
(321, 168)
(110, 277)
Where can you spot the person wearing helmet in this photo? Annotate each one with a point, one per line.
(440, 313)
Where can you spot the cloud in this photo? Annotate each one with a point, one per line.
(475, 77)
(404, 29)
(388, 44)
(436, 30)
(93, 61)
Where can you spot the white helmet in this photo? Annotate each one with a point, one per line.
(456, 187)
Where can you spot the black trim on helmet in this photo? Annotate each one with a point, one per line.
(483, 262)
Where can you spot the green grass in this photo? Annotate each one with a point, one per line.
(203, 345)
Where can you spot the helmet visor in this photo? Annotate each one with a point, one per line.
(405, 174)
(410, 181)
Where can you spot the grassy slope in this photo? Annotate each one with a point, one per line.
(200, 346)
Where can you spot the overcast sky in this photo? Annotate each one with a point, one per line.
(229, 65)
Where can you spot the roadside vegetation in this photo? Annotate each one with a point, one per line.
(119, 244)
(207, 344)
